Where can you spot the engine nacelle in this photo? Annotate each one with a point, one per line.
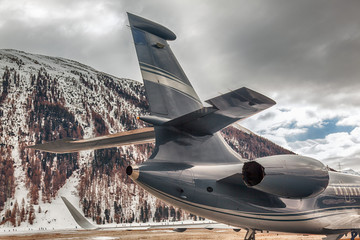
(288, 176)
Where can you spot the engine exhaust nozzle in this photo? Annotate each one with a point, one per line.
(133, 172)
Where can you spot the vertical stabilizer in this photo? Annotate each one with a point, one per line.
(169, 92)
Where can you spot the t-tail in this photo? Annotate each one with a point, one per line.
(169, 92)
(184, 130)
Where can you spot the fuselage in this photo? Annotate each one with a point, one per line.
(192, 168)
(197, 189)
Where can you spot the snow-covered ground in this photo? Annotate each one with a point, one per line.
(81, 91)
(53, 215)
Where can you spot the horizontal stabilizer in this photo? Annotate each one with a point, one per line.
(138, 136)
(78, 217)
(85, 224)
(226, 109)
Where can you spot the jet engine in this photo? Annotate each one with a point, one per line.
(288, 176)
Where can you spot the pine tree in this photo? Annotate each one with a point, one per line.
(13, 214)
(31, 214)
(22, 211)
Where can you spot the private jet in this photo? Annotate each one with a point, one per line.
(191, 166)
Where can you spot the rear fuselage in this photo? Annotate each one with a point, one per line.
(196, 189)
(192, 168)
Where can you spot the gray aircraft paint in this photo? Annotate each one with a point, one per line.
(195, 171)
(193, 168)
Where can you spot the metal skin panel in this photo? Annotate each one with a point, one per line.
(175, 146)
(226, 109)
(244, 207)
(184, 165)
(283, 172)
(151, 27)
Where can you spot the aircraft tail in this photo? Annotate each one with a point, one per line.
(169, 92)
(184, 130)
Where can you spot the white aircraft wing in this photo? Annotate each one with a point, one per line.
(179, 226)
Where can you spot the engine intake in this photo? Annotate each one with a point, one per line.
(288, 176)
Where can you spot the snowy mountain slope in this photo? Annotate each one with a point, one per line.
(46, 98)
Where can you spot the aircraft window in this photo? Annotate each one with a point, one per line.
(354, 191)
(336, 191)
(340, 191)
(210, 189)
(351, 191)
(139, 36)
(345, 191)
(180, 190)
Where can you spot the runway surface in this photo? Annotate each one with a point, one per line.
(152, 234)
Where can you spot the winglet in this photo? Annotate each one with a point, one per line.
(151, 27)
(79, 218)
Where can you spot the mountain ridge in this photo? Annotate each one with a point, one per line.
(47, 98)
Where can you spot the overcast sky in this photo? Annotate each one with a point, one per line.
(305, 54)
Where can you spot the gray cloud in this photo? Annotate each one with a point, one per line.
(295, 49)
(266, 116)
(301, 53)
(308, 49)
(351, 161)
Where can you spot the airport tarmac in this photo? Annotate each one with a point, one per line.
(154, 234)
